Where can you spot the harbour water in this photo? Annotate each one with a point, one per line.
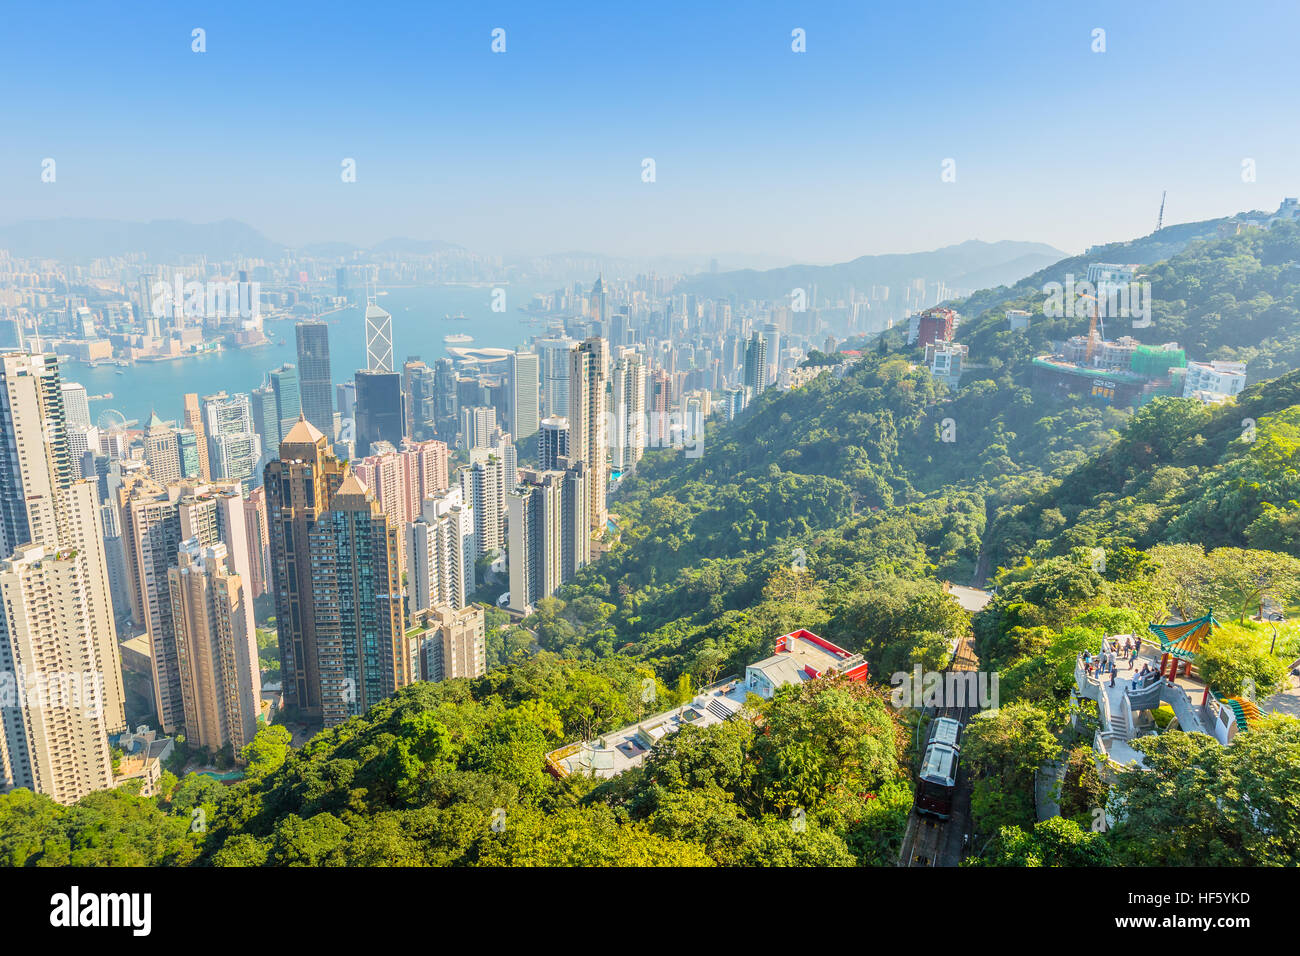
(419, 327)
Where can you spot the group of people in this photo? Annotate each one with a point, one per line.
(1105, 662)
(1146, 676)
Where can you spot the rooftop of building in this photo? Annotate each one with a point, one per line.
(303, 433)
(611, 754)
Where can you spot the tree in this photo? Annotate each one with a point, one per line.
(1199, 803)
(1002, 749)
(1235, 660)
(1053, 842)
(269, 748)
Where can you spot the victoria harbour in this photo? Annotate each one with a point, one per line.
(422, 317)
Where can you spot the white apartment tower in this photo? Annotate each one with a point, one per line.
(627, 393)
(588, 441)
(56, 613)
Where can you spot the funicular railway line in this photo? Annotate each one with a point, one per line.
(929, 841)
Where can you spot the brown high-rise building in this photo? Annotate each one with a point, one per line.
(299, 485)
(259, 543)
(194, 422)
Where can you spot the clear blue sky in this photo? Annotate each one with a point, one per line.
(820, 156)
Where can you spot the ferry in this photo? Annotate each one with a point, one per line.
(458, 339)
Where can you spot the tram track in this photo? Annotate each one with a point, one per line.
(928, 841)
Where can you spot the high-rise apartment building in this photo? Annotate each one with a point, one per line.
(56, 610)
(478, 424)
(400, 480)
(299, 487)
(549, 538)
(314, 386)
(588, 440)
(440, 553)
(483, 485)
(452, 642)
(155, 519)
(55, 741)
(627, 397)
(756, 365)
(364, 655)
(212, 616)
(257, 533)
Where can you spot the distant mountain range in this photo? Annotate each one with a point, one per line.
(973, 264)
(80, 240)
(970, 265)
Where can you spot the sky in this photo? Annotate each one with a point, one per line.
(815, 156)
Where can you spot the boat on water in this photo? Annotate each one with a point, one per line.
(458, 339)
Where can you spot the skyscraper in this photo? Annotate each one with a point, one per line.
(553, 353)
(588, 441)
(187, 450)
(419, 385)
(446, 406)
(266, 421)
(55, 741)
(627, 393)
(288, 404)
(477, 426)
(56, 611)
(535, 544)
(660, 395)
(314, 374)
(299, 486)
(213, 621)
(357, 601)
(379, 411)
(549, 532)
(379, 339)
(257, 533)
(484, 487)
(234, 447)
(194, 422)
(76, 405)
(440, 553)
(162, 451)
(553, 442)
(524, 395)
(34, 458)
(756, 365)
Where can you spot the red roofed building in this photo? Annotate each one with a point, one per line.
(801, 656)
